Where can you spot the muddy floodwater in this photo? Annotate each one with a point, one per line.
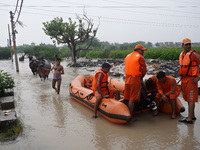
(56, 122)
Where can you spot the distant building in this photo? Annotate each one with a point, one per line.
(47, 45)
(196, 44)
(25, 45)
(32, 44)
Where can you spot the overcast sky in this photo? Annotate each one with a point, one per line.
(120, 21)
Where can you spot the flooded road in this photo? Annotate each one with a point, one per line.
(56, 122)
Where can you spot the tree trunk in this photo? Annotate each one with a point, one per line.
(74, 55)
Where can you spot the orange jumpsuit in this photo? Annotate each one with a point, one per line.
(135, 69)
(154, 85)
(168, 88)
(189, 90)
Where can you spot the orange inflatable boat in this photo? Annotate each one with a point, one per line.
(113, 110)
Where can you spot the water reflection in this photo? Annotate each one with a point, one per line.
(59, 113)
(187, 135)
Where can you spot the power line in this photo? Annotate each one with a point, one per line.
(105, 6)
(125, 21)
(185, 2)
(148, 13)
(109, 19)
(115, 8)
(151, 13)
(117, 19)
(112, 1)
(179, 1)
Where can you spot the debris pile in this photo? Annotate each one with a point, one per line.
(170, 67)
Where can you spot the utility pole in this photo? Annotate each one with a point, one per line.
(9, 43)
(14, 42)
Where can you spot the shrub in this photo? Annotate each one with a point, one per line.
(5, 82)
(120, 53)
(167, 53)
(95, 54)
(49, 53)
(12, 131)
(65, 52)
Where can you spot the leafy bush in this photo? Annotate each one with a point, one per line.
(82, 53)
(95, 54)
(65, 52)
(5, 82)
(169, 53)
(49, 53)
(120, 53)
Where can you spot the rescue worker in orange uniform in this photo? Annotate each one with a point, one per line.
(151, 85)
(135, 70)
(189, 72)
(100, 87)
(167, 90)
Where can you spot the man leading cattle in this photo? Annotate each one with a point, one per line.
(189, 61)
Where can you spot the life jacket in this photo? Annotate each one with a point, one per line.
(103, 83)
(187, 66)
(132, 66)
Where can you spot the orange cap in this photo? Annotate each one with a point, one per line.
(186, 41)
(139, 46)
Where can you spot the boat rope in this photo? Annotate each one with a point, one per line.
(74, 92)
(88, 97)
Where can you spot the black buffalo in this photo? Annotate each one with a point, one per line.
(21, 58)
(44, 68)
(41, 67)
(33, 64)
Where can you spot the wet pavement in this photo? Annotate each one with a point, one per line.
(56, 122)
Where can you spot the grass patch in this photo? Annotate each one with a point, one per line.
(11, 132)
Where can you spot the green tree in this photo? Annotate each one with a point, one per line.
(5, 53)
(124, 46)
(65, 52)
(28, 50)
(149, 44)
(71, 33)
(157, 44)
(42, 51)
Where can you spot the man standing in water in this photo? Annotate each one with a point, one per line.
(135, 70)
(100, 87)
(189, 72)
(58, 71)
